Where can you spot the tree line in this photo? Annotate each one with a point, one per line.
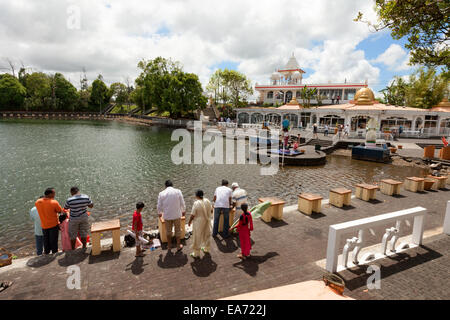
(162, 87)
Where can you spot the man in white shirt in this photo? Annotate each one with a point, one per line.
(239, 197)
(171, 208)
(222, 203)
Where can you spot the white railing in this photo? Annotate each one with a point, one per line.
(227, 124)
(385, 136)
(447, 220)
(357, 243)
(410, 133)
(251, 126)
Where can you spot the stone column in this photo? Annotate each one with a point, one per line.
(438, 125)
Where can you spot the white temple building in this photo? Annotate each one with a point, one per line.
(355, 113)
(286, 83)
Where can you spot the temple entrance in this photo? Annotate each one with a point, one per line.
(288, 97)
(359, 122)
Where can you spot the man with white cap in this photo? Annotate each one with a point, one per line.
(239, 197)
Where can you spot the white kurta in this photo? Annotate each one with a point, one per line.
(201, 226)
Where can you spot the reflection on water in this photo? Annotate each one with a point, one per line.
(119, 164)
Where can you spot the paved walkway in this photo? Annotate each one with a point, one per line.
(284, 252)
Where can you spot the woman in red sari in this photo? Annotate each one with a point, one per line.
(244, 226)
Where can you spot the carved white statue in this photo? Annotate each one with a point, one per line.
(371, 135)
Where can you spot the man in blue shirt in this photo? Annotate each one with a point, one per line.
(38, 234)
(286, 124)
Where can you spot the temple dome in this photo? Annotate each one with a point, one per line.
(275, 76)
(364, 96)
(294, 102)
(443, 106)
(296, 75)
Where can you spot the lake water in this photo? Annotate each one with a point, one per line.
(118, 164)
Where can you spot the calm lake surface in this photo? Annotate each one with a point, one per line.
(119, 164)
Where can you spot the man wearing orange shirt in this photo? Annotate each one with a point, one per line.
(48, 209)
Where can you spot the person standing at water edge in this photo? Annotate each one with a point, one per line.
(39, 236)
(222, 203)
(137, 227)
(201, 230)
(171, 208)
(48, 209)
(325, 132)
(239, 197)
(79, 220)
(244, 227)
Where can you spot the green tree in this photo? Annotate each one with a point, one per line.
(120, 94)
(63, 94)
(395, 93)
(307, 94)
(425, 23)
(426, 88)
(84, 93)
(38, 87)
(162, 85)
(12, 93)
(184, 94)
(229, 86)
(100, 94)
(153, 80)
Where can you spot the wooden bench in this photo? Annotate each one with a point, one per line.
(390, 187)
(275, 210)
(230, 219)
(340, 197)
(440, 181)
(428, 183)
(365, 191)
(414, 184)
(97, 228)
(162, 229)
(309, 203)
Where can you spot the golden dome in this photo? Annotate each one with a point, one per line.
(444, 105)
(294, 102)
(364, 96)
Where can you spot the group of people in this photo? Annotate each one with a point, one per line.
(72, 220)
(337, 98)
(341, 129)
(171, 207)
(50, 219)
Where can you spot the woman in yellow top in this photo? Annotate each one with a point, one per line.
(201, 230)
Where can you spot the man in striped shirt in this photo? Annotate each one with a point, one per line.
(239, 197)
(79, 222)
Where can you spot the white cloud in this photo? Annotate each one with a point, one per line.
(395, 57)
(259, 35)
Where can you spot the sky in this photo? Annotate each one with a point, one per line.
(110, 37)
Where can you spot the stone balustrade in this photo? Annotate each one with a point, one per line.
(393, 223)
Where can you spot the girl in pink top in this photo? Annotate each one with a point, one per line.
(65, 238)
